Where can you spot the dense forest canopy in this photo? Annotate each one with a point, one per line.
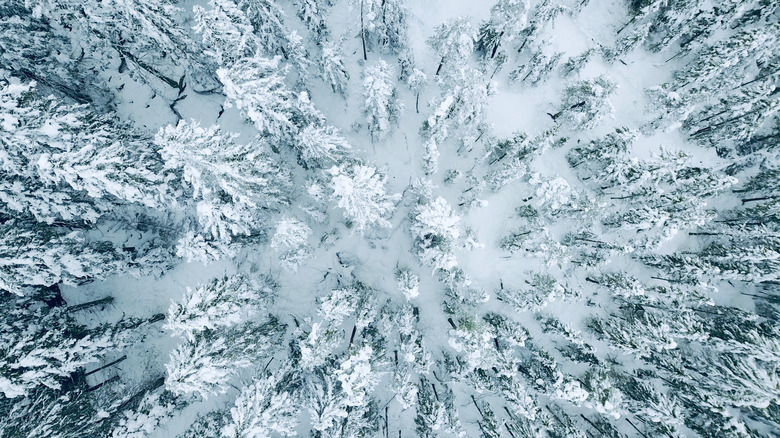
(380, 218)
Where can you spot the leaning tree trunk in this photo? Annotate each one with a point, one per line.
(363, 32)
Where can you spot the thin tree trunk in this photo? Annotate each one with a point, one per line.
(352, 337)
(363, 32)
(387, 430)
(477, 406)
(112, 363)
(88, 304)
(637, 429)
(105, 382)
(762, 198)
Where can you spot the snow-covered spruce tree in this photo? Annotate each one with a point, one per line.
(507, 19)
(435, 230)
(380, 103)
(43, 347)
(585, 103)
(155, 408)
(33, 50)
(407, 282)
(232, 185)
(220, 303)
(359, 190)
(290, 239)
(148, 36)
(65, 162)
(383, 24)
(262, 408)
(226, 31)
(210, 359)
(321, 146)
(256, 86)
(35, 254)
(537, 69)
(510, 158)
(458, 113)
(332, 68)
(453, 43)
(267, 18)
(313, 13)
(47, 413)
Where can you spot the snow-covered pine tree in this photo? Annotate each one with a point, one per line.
(262, 409)
(380, 103)
(36, 255)
(459, 112)
(43, 347)
(313, 13)
(453, 43)
(510, 158)
(33, 50)
(322, 146)
(435, 230)
(148, 36)
(332, 69)
(226, 31)
(210, 359)
(585, 103)
(256, 86)
(66, 163)
(232, 185)
(407, 282)
(220, 303)
(267, 18)
(203, 366)
(431, 412)
(507, 19)
(416, 81)
(290, 239)
(537, 69)
(46, 413)
(359, 190)
(383, 23)
(153, 410)
(356, 375)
